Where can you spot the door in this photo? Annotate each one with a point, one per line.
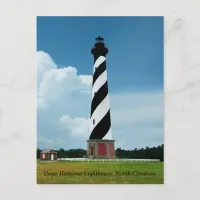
(92, 150)
(52, 156)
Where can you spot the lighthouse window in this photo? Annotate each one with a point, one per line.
(93, 121)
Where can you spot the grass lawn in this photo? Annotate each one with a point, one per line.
(100, 172)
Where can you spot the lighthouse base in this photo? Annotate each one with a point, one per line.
(101, 149)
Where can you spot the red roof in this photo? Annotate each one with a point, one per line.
(48, 151)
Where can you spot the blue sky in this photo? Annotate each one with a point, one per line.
(135, 47)
(135, 77)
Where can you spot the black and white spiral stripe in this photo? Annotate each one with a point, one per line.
(100, 109)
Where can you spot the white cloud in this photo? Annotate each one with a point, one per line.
(63, 104)
(64, 100)
(137, 119)
(78, 127)
(44, 63)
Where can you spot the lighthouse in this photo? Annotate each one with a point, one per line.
(100, 143)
